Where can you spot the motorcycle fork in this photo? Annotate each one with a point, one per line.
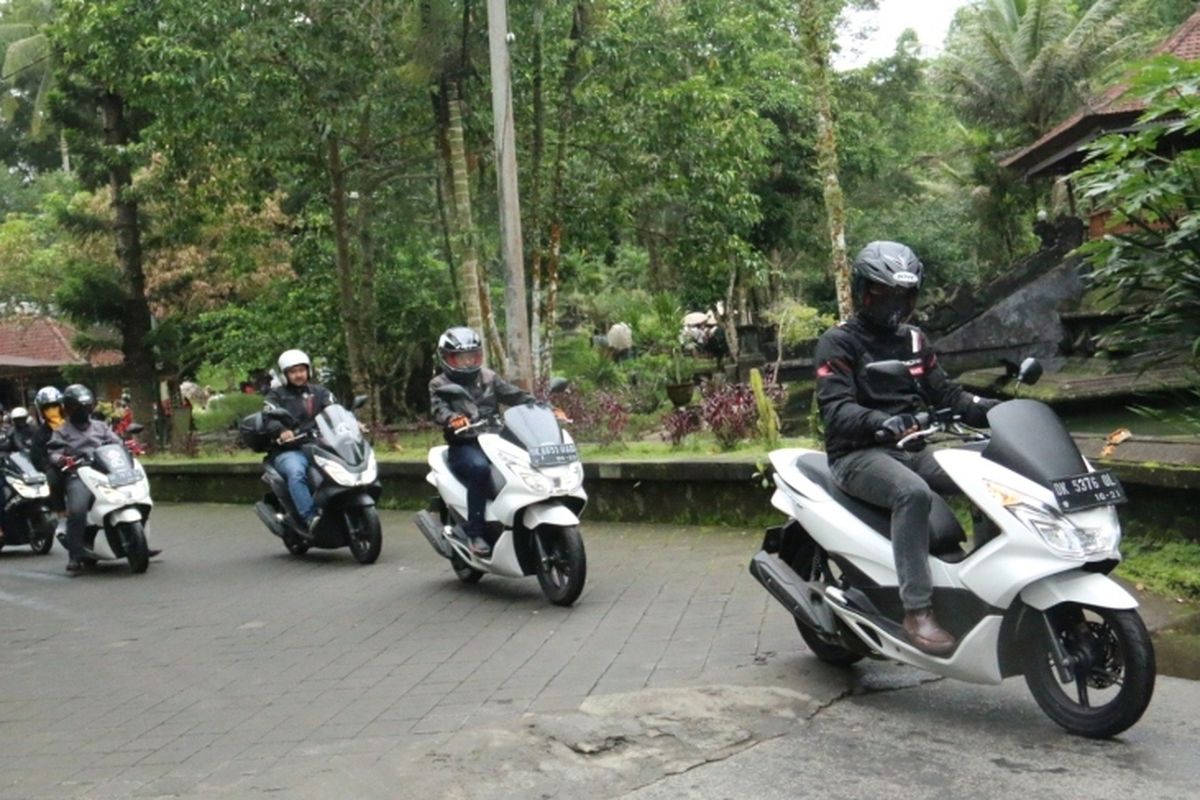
(1063, 663)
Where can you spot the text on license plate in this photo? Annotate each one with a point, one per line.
(1088, 490)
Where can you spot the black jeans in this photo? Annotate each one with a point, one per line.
(905, 483)
(78, 498)
(471, 466)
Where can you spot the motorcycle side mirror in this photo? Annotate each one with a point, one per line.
(135, 429)
(558, 385)
(1030, 372)
(451, 391)
(359, 402)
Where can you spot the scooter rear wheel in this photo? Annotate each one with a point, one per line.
(1112, 665)
(465, 573)
(807, 562)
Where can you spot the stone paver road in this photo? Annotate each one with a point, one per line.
(232, 669)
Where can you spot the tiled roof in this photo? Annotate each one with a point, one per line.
(1114, 106)
(31, 341)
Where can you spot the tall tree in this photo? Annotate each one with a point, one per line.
(816, 34)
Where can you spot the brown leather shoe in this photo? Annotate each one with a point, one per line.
(926, 635)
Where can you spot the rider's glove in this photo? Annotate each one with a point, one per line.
(67, 463)
(561, 415)
(459, 421)
(896, 428)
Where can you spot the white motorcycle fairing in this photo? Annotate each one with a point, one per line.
(1015, 563)
(112, 506)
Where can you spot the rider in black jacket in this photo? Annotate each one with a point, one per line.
(858, 406)
(302, 401)
(460, 354)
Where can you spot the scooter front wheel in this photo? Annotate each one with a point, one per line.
(41, 532)
(562, 563)
(137, 552)
(1111, 664)
(364, 534)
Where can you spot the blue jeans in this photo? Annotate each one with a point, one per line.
(293, 466)
(471, 466)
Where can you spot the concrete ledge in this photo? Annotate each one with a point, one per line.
(726, 491)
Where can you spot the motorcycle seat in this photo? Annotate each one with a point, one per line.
(945, 532)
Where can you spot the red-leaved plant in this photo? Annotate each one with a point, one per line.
(681, 422)
(599, 417)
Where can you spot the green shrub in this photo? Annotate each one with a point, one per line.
(225, 411)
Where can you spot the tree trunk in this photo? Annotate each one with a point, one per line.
(815, 32)
(347, 280)
(566, 111)
(472, 283)
(535, 192)
(504, 135)
(137, 322)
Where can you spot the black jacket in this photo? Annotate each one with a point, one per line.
(855, 404)
(302, 402)
(487, 392)
(15, 440)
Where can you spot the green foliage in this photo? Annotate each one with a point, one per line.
(224, 412)
(1167, 565)
(768, 419)
(798, 322)
(1151, 252)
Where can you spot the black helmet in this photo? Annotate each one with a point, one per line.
(460, 354)
(887, 277)
(78, 402)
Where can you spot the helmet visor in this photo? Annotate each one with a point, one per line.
(889, 305)
(465, 359)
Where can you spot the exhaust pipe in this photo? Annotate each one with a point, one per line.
(269, 518)
(431, 526)
(797, 596)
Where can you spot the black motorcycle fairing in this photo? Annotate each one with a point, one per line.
(1029, 439)
(531, 425)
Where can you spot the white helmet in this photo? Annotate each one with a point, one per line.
(19, 413)
(293, 358)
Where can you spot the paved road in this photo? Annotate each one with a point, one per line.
(232, 669)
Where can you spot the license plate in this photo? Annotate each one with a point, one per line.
(122, 477)
(549, 455)
(1088, 490)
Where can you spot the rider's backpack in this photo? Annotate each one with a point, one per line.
(252, 431)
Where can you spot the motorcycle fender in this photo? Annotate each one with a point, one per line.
(127, 514)
(549, 514)
(1084, 588)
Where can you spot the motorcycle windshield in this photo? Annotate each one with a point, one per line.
(1029, 439)
(339, 432)
(19, 464)
(111, 458)
(532, 426)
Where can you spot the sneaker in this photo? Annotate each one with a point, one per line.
(480, 547)
(74, 567)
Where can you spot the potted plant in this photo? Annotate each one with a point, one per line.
(680, 388)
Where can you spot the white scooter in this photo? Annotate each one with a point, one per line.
(1031, 598)
(532, 518)
(120, 507)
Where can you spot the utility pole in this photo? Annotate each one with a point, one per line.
(504, 133)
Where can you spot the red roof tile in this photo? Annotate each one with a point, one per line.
(1083, 125)
(29, 341)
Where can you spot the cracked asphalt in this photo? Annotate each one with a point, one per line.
(232, 669)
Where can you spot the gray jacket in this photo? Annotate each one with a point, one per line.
(487, 393)
(70, 440)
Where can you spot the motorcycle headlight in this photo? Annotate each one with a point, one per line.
(534, 480)
(1062, 535)
(569, 478)
(344, 476)
(109, 494)
(23, 489)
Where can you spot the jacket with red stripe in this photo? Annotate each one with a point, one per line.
(302, 402)
(854, 403)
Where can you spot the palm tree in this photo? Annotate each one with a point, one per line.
(28, 69)
(1022, 65)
